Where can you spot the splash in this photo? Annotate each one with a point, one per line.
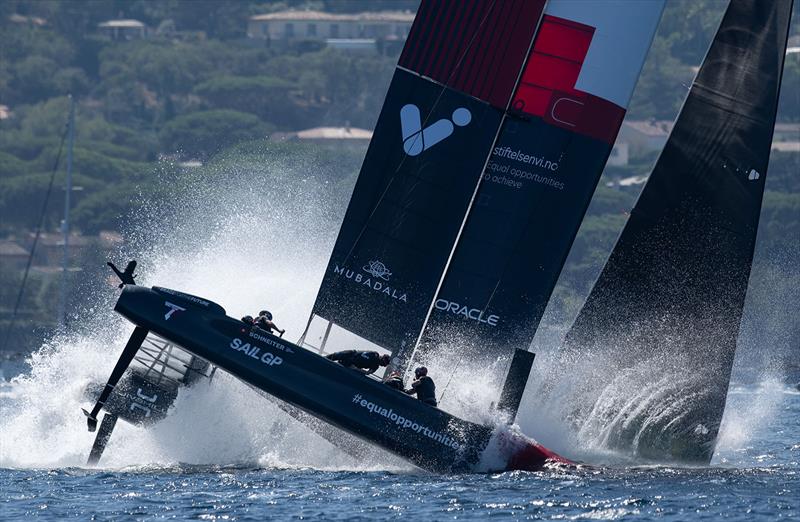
(747, 417)
(252, 231)
(660, 409)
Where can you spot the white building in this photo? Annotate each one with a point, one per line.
(123, 29)
(331, 27)
(335, 136)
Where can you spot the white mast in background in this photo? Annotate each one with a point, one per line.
(62, 312)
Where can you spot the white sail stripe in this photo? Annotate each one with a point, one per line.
(624, 30)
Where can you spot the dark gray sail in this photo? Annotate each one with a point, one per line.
(654, 343)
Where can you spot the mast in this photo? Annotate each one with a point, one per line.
(62, 310)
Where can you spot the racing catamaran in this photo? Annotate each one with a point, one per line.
(478, 89)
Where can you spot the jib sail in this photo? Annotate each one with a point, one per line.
(541, 174)
(445, 104)
(661, 323)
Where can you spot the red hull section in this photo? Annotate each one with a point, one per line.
(533, 457)
(511, 450)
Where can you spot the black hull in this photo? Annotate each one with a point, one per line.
(428, 437)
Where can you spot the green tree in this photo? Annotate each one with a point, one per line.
(265, 96)
(201, 134)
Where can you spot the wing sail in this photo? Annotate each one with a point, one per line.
(662, 320)
(542, 172)
(444, 107)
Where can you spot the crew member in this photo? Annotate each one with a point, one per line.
(395, 380)
(264, 321)
(364, 362)
(423, 387)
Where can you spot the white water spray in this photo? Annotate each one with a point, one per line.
(249, 234)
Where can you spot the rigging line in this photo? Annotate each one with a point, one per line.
(35, 239)
(418, 136)
(452, 374)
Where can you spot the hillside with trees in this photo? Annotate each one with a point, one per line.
(197, 86)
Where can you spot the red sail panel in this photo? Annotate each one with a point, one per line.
(541, 174)
(547, 88)
(477, 47)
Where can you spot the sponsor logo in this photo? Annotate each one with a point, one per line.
(377, 269)
(145, 409)
(522, 157)
(188, 297)
(271, 342)
(372, 282)
(403, 423)
(172, 309)
(268, 358)
(417, 139)
(473, 314)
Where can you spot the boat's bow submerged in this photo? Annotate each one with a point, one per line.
(426, 436)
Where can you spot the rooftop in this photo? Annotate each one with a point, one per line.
(57, 240)
(20, 19)
(334, 133)
(786, 146)
(9, 248)
(651, 127)
(129, 24)
(374, 16)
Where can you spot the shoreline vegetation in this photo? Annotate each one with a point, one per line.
(195, 90)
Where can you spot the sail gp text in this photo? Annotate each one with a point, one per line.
(253, 351)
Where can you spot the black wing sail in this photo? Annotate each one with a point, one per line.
(442, 113)
(657, 335)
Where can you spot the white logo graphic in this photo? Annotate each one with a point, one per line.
(172, 309)
(377, 269)
(251, 350)
(416, 139)
(146, 409)
(754, 175)
(469, 313)
(403, 423)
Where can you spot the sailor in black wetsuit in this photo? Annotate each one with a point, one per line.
(423, 387)
(264, 321)
(395, 380)
(364, 362)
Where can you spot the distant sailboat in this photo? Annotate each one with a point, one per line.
(647, 363)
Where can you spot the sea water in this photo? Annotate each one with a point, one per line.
(226, 453)
(755, 478)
